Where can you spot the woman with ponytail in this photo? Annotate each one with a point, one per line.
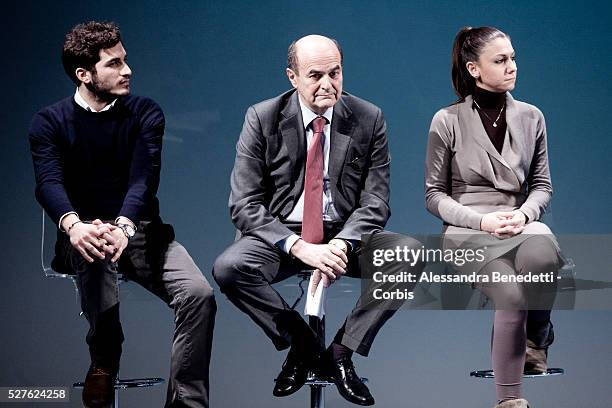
(487, 178)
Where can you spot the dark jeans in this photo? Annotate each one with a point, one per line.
(160, 264)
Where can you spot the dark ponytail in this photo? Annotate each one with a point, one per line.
(468, 46)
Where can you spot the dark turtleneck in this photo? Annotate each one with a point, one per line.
(490, 104)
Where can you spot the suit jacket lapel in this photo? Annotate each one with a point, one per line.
(514, 148)
(514, 143)
(341, 136)
(292, 133)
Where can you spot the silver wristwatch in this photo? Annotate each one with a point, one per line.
(127, 229)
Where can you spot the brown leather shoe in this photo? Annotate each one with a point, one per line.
(535, 359)
(515, 403)
(99, 387)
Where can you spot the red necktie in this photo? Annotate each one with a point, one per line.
(312, 219)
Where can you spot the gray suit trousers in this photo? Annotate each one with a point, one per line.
(246, 270)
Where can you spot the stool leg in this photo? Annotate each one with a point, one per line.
(317, 396)
(318, 326)
(317, 392)
(116, 401)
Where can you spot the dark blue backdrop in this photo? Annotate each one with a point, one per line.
(205, 63)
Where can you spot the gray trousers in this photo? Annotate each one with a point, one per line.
(160, 264)
(246, 270)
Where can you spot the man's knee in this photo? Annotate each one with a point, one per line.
(414, 247)
(224, 270)
(391, 240)
(199, 292)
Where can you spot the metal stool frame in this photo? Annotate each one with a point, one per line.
(317, 384)
(527, 374)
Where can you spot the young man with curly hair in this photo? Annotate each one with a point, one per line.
(97, 160)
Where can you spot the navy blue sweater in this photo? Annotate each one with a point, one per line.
(99, 164)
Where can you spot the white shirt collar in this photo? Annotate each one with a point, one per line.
(308, 115)
(83, 104)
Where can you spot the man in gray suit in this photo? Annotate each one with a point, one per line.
(311, 176)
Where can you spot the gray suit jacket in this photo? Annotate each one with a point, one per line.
(268, 175)
(466, 177)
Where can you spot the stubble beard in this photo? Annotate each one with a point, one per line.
(101, 92)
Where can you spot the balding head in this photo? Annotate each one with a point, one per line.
(310, 43)
(315, 70)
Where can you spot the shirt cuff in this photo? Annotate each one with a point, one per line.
(59, 224)
(125, 220)
(287, 243)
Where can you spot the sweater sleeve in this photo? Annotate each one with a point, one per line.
(146, 163)
(48, 166)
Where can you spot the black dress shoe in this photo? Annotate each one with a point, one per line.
(342, 373)
(293, 374)
(98, 391)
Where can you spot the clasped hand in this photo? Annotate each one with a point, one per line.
(329, 261)
(98, 239)
(503, 224)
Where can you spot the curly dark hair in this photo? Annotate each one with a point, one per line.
(83, 44)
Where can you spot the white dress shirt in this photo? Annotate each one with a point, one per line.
(83, 104)
(328, 210)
